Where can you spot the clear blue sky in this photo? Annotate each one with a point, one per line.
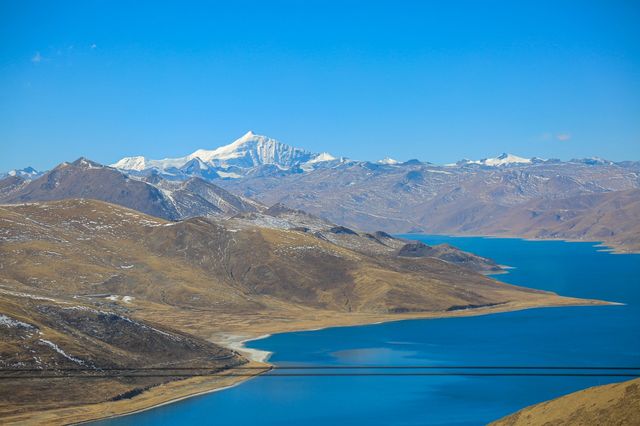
(437, 81)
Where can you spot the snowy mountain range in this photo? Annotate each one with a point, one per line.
(26, 173)
(524, 196)
(256, 155)
(503, 159)
(237, 159)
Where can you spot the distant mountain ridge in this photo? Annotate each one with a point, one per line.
(503, 159)
(153, 195)
(504, 195)
(257, 155)
(195, 197)
(26, 173)
(507, 196)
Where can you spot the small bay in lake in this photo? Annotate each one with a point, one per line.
(574, 336)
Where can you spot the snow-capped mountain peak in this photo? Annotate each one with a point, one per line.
(388, 161)
(131, 163)
(245, 153)
(503, 159)
(323, 156)
(251, 150)
(26, 173)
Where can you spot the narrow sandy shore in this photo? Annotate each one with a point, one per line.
(237, 342)
(167, 393)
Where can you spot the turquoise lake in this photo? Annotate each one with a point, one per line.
(574, 336)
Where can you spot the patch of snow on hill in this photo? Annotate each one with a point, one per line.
(9, 322)
(61, 352)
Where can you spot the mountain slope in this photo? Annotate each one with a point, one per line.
(10, 184)
(223, 265)
(155, 196)
(460, 200)
(51, 336)
(86, 179)
(26, 173)
(611, 217)
(279, 216)
(614, 404)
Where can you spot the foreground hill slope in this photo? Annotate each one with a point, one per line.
(78, 343)
(614, 404)
(83, 248)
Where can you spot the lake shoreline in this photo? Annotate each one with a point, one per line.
(164, 394)
(237, 342)
(179, 390)
(604, 246)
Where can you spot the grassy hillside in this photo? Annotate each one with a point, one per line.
(86, 248)
(615, 404)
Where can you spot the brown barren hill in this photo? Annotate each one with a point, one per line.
(575, 200)
(83, 248)
(615, 404)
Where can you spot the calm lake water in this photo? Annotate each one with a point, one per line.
(575, 336)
